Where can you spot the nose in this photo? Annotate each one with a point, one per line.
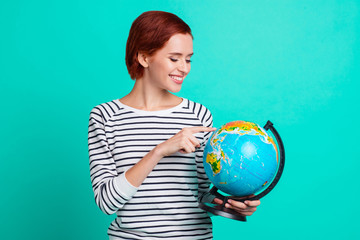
(184, 66)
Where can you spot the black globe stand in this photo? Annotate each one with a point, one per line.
(221, 210)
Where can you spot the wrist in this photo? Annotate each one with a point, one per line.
(158, 152)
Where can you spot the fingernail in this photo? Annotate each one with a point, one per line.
(229, 201)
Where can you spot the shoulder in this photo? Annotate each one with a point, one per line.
(104, 111)
(201, 112)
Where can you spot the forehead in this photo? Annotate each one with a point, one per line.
(179, 43)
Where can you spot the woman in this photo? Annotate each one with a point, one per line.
(146, 148)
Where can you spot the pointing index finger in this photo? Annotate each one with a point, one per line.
(202, 129)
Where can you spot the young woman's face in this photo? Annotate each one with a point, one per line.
(169, 66)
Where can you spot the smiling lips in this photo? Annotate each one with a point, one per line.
(177, 79)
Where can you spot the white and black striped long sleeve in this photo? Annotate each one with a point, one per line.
(106, 181)
(165, 206)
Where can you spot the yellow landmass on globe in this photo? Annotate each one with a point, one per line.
(242, 125)
(214, 162)
(222, 154)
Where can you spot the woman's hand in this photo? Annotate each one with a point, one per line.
(184, 141)
(246, 208)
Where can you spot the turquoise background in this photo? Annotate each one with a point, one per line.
(293, 62)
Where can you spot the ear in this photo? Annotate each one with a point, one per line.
(143, 59)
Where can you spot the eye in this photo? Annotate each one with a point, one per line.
(175, 60)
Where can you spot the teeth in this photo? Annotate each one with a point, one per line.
(177, 78)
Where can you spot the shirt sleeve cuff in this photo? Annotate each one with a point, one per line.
(125, 188)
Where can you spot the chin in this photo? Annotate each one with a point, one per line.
(174, 89)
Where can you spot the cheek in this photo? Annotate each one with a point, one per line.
(156, 69)
(165, 67)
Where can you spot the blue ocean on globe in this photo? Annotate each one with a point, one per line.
(240, 158)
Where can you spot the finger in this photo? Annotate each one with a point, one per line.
(248, 211)
(237, 204)
(191, 145)
(201, 129)
(245, 213)
(195, 142)
(188, 147)
(185, 149)
(253, 203)
(217, 201)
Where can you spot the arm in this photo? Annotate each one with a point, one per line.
(111, 190)
(183, 141)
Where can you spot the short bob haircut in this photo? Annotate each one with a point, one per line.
(149, 33)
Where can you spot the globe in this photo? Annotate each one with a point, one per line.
(240, 158)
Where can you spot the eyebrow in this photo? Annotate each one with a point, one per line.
(180, 54)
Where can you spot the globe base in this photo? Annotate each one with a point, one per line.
(220, 210)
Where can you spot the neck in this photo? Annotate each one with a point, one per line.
(146, 96)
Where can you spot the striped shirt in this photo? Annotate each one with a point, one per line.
(165, 206)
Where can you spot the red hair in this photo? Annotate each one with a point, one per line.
(149, 33)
